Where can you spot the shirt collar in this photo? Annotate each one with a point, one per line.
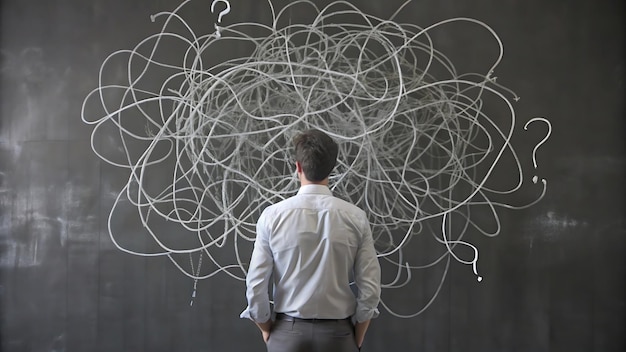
(315, 189)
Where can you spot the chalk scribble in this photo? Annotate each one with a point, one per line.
(206, 143)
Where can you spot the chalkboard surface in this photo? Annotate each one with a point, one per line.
(553, 278)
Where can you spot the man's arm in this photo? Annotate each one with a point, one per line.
(257, 281)
(367, 280)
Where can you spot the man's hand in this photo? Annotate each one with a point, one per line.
(265, 329)
(266, 335)
(359, 332)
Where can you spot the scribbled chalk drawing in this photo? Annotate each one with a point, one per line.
(206, 143)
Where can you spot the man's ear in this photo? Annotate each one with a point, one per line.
(298, 167)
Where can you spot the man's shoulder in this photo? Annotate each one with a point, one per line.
(330, 202)
(282, 204)
(347, 206)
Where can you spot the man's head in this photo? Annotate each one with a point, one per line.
(316, 154)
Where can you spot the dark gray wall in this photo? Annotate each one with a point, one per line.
(554, 279)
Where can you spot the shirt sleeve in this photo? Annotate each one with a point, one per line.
(367, 278)
(258, 277)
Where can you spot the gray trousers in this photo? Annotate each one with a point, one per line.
(312, 336)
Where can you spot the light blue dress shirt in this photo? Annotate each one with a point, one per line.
(314, 245)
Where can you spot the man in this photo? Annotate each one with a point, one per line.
(313, 245)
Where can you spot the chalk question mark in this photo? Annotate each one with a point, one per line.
(219, 17)
(535, 178)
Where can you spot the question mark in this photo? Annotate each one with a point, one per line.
(219, 17)
(535, 178)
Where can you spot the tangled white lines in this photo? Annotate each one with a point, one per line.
(206, 138)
